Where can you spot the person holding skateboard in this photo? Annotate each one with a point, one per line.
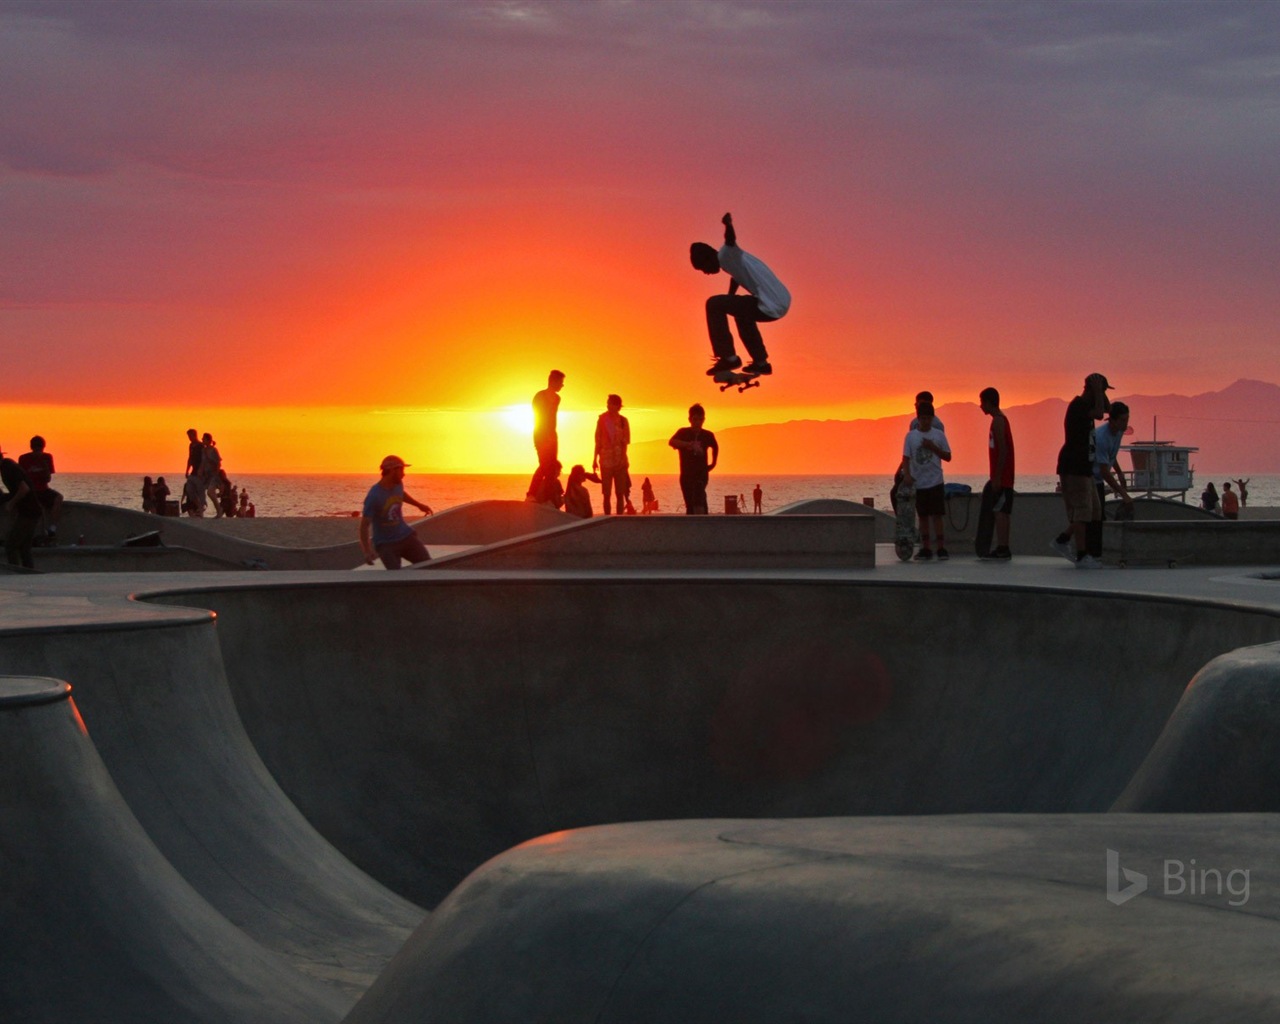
(997, 492)
(766, 300)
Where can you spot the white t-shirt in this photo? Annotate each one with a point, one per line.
(756, 278)
(926, 467)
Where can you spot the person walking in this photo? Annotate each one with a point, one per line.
(383, 532)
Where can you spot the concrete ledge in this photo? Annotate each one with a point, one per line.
(686, 542)
(1201, 542)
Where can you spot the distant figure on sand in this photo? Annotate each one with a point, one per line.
(650, 501)
(1230, 503)
(546, 442)
(38, 465)
(383, 531)
(193, 497)
(694, 443)
(757, 496)
(148, 495)
(195, 452)
(767, 299)
(160, 497)
(1075, 471)
(577, 499)
(211, 473)
(1244, 491)
(613, 435)
(1209, 499)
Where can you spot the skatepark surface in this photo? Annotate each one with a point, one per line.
(899, 792)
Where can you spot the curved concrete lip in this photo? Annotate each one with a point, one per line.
(27, 691)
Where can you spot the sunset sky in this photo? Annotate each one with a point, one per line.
(324, 231)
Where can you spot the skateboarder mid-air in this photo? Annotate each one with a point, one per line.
(766, 300)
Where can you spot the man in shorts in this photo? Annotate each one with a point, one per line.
(699, 454)
(383, 530)
(1075, 471)
(923, 453)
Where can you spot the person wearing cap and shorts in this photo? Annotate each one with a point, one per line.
(1075, 471)
(383, 531)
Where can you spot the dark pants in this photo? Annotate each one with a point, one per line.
(547, 450)
(745, 310)
(17, 542)
(1093, 529)
(617, 481)
(694, 490)
(411, 549)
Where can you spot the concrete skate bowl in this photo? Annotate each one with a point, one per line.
(425, 724)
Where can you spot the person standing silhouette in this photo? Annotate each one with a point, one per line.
(613, 435)
(694, 443)
(546, 442)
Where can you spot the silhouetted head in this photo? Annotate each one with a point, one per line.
(555, 380)
(704, 258)
(697, 415)
(207, 439)
(577, 474)
(37, 443)
(192, 433)
(924, 415)
(614, 402)
(989, 399)
(393, 467)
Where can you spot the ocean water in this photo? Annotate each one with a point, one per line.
(343, 494)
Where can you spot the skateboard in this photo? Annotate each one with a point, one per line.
(905, 534)
(736, 378)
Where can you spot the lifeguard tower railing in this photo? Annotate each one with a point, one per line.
(1160, 468)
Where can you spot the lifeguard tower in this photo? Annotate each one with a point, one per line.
(1160, 468)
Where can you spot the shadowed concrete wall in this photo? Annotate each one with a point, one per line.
(428, 723)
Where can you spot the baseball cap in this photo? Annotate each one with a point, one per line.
(391, 462)
(1097, 378)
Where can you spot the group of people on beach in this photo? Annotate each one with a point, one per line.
(206, 485)
(1231, 502)
(610, 466)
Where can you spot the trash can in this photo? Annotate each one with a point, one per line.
(731, 505)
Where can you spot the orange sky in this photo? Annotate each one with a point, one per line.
(328, 232)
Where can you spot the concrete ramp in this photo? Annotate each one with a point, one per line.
(685, 542)
(982, 918)
(155, 697)
(98, 926)
(503, 709)
(1221, 748)
(200, 544)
